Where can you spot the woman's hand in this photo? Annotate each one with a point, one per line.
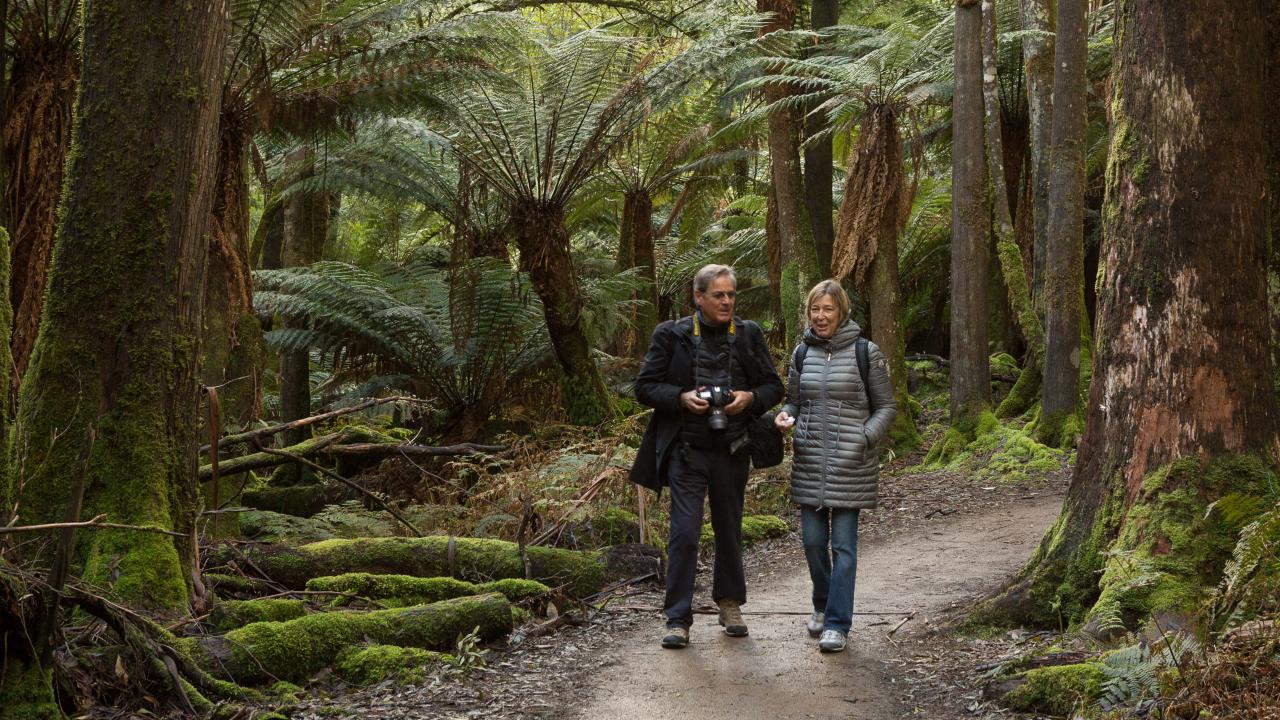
(783, 421)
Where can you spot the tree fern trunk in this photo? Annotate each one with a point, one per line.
(970, 220)
(637, 229)
(306, 227)
(818, 172)
(544, 254)
(36, 135)
(1181, 410)
(118, 344)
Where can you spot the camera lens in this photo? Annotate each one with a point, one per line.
(717, 420)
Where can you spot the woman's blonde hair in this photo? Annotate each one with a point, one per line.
(838, 296)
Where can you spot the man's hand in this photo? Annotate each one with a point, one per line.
(690, 401)
(741, 401)
(783, 421)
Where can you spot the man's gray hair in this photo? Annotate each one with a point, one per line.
(709, 273)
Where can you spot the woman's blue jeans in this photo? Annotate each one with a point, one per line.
(831, 547)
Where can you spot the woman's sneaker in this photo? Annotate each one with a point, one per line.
(832, 641)
(814, 626)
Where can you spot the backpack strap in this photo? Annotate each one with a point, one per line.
(797, 357)
(861, 349)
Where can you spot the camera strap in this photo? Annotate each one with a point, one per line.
(697, 347)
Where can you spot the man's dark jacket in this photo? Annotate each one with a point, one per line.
(668, 371)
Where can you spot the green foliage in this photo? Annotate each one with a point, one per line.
(755, 529)
(1057, 690)
(1250, 585)
(374, 663)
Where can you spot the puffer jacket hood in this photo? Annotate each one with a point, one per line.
(837, 436)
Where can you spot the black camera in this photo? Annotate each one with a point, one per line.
(717, 397)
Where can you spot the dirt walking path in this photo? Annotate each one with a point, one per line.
(777, 672)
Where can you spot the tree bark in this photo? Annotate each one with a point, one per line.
(773, 251)
(1064, 256)
(635, 250)
(131, 248)
(36, 135)
(1037, 63)
(544, 254)
(233, 350)
(1007, 250)
(1181, 411)
(970, 219)
(818, 170)
(306, 227)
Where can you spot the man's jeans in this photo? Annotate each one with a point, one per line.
(693, 475)
(831, 533)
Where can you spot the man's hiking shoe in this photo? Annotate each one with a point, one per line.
(675, 638)
(832, 641)
(814, 626)
(731, 619)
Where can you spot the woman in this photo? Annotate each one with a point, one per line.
(838, 425)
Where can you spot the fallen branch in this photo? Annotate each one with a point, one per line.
(94, 523)
(901, 622)
(331, 474)
(376, 449)
(303, 422)
(260, 460)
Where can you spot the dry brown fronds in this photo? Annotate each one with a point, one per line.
(1240, 681)
(875, 192)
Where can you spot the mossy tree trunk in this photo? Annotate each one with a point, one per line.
(1064, 247)
(1181, 408)
(970, 220)
(1008, 253)
(232, 357)
(6, 371)
(773, 253)
(36, 131)
(131, 246)
(544, 254)
(1037, 63)
(818, 158)
(306, 227)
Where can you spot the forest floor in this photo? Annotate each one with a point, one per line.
(938, 541)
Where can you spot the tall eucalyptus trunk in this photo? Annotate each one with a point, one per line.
(1181, 411)
(306, 227)
(818, 166)
(114, 371)
(970, 220)
(1064, 258)
(1037, 62)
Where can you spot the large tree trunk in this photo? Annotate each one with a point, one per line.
(784, 171)
(773, 252)
(37, 135)
(1064, 259)
(1007, 250)
(1037, 63)
(970, 219)
(1181, 411)
(118, 346)
(873, 210)
(818, 171)
(544, 254)
(233, 352)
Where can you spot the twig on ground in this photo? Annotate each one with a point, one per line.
(901, 622)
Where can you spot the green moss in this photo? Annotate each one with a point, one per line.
(755, 529)
(1003, 364)
(298, 500)
(615, 525)
(295, 649)
(231, 614)
(1171, 551)
(285, 690)
(375, 663)
(406, 590)
(26, 692)
(1057, 690)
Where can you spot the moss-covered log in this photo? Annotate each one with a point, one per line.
(581, 573)
(295, 649)
(232, 614)
(375, 663)
(410, 590)
(1057, 690)
(118, 347)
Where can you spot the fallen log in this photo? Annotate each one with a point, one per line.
(385, 449)
(471, 559)
(260, 460)
(296, 649)
(303, 422)
(330, 445)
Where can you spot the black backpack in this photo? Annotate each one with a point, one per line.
(864, 364)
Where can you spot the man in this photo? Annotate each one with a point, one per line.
(696, 440)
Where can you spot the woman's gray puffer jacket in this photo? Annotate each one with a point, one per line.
(836, 435)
